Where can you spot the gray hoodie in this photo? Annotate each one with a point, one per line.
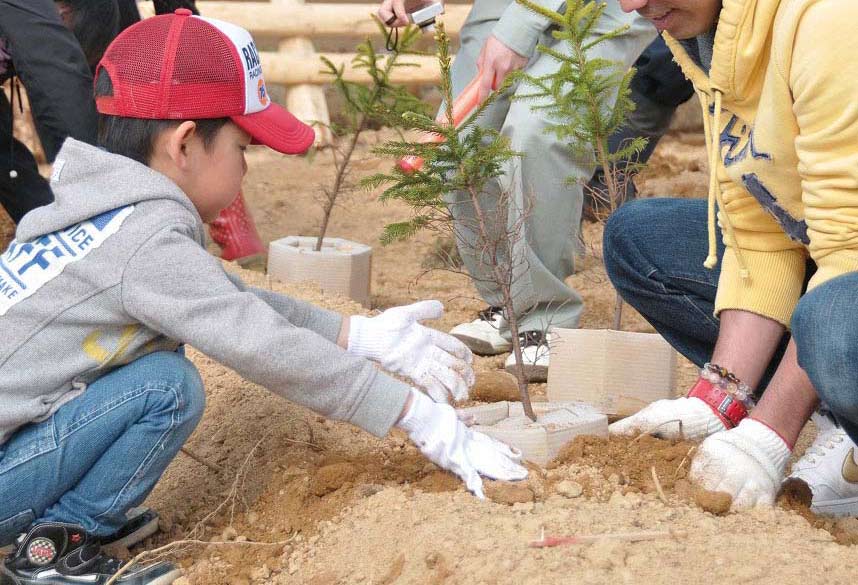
(115, 268)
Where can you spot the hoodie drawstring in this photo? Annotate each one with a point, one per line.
(712, 131)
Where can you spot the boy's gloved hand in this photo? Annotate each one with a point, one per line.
(447, 442)
(435, 361)
(747, 462)
(679, 418)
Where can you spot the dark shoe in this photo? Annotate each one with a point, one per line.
(142, 523)
(63, 554)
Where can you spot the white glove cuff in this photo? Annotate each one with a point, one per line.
(419, 415)
(704, 422)
(362, 342)
(756, 438)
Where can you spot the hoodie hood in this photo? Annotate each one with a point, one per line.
(88, 181)
(740, 54)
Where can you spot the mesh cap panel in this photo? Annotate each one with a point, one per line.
(135, 66)
(204, 73)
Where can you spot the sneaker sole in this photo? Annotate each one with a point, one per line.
(7, 578)
(481, 346)
(129, 540)
(532, 373)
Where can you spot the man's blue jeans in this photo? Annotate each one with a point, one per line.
(102, 453)
(654, 251)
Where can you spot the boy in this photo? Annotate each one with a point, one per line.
(100, 289)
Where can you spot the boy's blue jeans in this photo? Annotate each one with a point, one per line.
(102, 453)
(654, 251)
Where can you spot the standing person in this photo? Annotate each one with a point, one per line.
(499, 37)
(777, 312)
(101, 289)
(38, 50)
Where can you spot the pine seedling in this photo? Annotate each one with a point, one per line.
(588, 98)
(365, 106)
(465, 161)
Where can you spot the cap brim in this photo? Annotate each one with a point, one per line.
(276, 128)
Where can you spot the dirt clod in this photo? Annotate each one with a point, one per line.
(495, 386)
(509, 493)
(332, 477)
(569, 489)
(717, 503)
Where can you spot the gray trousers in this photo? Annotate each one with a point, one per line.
(543, 206)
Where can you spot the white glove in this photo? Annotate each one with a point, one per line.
(679, 418)
(747, 462)
(435, 361)
(447, 442)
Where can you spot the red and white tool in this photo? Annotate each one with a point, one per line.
(462, 108)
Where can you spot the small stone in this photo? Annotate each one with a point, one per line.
(229, 533)
(261, 573)
(570, 489)
(368, 489)
(241, 538)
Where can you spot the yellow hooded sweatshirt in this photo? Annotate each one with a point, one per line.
(781, 121)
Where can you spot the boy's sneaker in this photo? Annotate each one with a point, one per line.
(53, 553)
(534, 354)
(482, 336)
(142, 522)
(830, 470)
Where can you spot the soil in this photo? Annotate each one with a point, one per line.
(341, 506)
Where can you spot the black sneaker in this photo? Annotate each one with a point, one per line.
(142, 522)
(63, 554)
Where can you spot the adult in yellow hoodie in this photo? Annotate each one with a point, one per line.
(778, 81)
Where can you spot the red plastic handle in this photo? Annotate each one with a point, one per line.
(463, 105)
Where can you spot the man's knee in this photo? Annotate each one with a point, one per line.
(825, 331)
(183, 387)
(621, 233)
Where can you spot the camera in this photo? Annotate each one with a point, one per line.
(425, 17)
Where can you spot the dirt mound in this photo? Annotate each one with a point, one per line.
(634, 464)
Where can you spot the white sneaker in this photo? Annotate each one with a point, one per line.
(482, 336)
(534, 354)
(829, 469)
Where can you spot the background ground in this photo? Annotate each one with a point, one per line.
(344, 507)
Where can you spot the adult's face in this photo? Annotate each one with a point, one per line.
(683, 19)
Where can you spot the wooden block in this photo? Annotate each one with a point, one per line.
(540, 441)
(618, 372)
(341, 266)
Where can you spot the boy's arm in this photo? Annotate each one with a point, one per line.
(173, 286)
(326, 323)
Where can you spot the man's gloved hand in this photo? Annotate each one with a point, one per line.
(435, 361)
(747, 462)
(679, 418)
(447, 442)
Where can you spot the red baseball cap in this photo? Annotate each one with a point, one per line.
(185, 67)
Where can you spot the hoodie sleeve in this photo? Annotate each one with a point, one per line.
(824, 84)
(519, 28)
(299, 313)
(175, 287)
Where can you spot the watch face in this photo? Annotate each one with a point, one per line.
(41, 551)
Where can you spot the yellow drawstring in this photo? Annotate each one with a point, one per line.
(713, 143)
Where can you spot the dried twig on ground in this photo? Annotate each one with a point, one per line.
(549, 541)
(657, 483)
